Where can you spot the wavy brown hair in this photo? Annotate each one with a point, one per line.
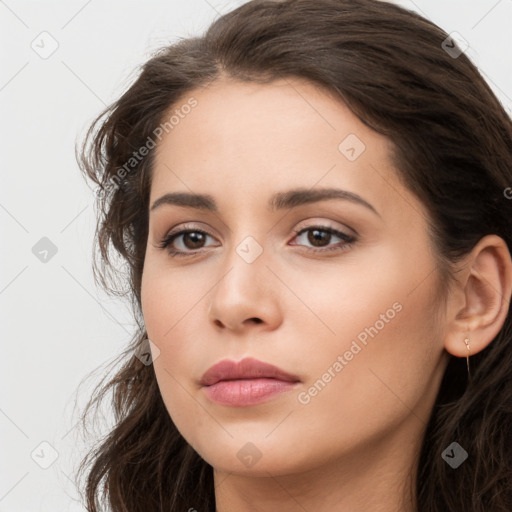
(452, 143)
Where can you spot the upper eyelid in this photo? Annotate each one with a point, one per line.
(318, 225)
(324, 224)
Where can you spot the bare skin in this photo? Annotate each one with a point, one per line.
(352, 445)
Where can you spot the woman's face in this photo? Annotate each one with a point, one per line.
(351, 315)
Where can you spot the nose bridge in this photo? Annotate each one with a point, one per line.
(249, 241)
(244, 290)
(245, 267)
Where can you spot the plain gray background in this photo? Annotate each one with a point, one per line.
(57, 326)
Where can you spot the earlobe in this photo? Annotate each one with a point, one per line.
(486, 283)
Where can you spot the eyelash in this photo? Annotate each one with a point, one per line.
(347, 239)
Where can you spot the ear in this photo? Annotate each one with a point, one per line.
(479, 306)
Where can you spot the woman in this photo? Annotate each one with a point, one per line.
(313, 204)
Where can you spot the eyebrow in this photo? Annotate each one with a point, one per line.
(279, 201)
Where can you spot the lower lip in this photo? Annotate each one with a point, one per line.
(243, 392)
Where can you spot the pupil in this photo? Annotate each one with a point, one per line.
(196, 238)
(317, 235)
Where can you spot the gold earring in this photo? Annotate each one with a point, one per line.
(466, 341)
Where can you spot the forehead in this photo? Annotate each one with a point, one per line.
(244, 140)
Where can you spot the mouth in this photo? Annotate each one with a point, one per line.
(247, 382)
(247, 368)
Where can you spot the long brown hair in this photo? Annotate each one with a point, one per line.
(452, 148)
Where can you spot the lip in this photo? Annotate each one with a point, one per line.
(246, 382)
(247, 368)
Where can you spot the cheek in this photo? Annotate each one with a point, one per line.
(379, 365)
(170, 308)
(167, 297)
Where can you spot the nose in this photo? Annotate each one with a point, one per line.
(246, 294)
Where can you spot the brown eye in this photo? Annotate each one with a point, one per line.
(320, 237)
(193, 239)
(189, 239)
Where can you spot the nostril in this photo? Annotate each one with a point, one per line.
(257, 320)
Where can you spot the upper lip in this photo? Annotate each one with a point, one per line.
(247, 368)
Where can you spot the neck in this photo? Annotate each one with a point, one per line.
(380, 477)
